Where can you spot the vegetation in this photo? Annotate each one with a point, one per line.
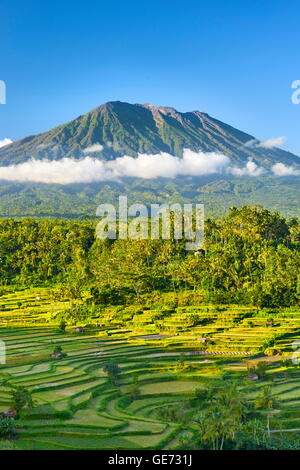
(163, 393)
(128, 129)
(21, 399)
(7, 428)
(81, 200)
(158, 348)
(252, 257)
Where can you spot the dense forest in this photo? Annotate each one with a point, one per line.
(217, 193)
(251, 256)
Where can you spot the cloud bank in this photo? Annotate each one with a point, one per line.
(5, 142)
(89, 169)
(166, 165)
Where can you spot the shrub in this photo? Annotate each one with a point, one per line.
(7, 427)
(21, 399)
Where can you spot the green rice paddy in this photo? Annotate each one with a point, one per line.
(77, 406)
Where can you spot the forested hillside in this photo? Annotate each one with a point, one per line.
(252, 256)
(280, 194)
(142, 344)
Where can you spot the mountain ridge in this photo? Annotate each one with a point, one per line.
(118, 128)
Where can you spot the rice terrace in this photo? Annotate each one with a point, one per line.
(110, 359)
(149, 231)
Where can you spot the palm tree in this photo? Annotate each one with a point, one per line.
(224, 413)
(267, 400)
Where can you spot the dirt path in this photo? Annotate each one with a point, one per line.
(270, 359)
(286, 430)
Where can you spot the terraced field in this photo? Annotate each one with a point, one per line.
(76, 404)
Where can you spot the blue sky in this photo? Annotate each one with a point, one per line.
(235, 60)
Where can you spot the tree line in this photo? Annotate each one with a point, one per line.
(251, 256)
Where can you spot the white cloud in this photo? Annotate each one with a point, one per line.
(5, 142)
(251, 169)
(166, 165)
(280, 169)
(273, 142)
(267, 144)
(63, 171)
(89, 169)
(251, 143)
(93, 148)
